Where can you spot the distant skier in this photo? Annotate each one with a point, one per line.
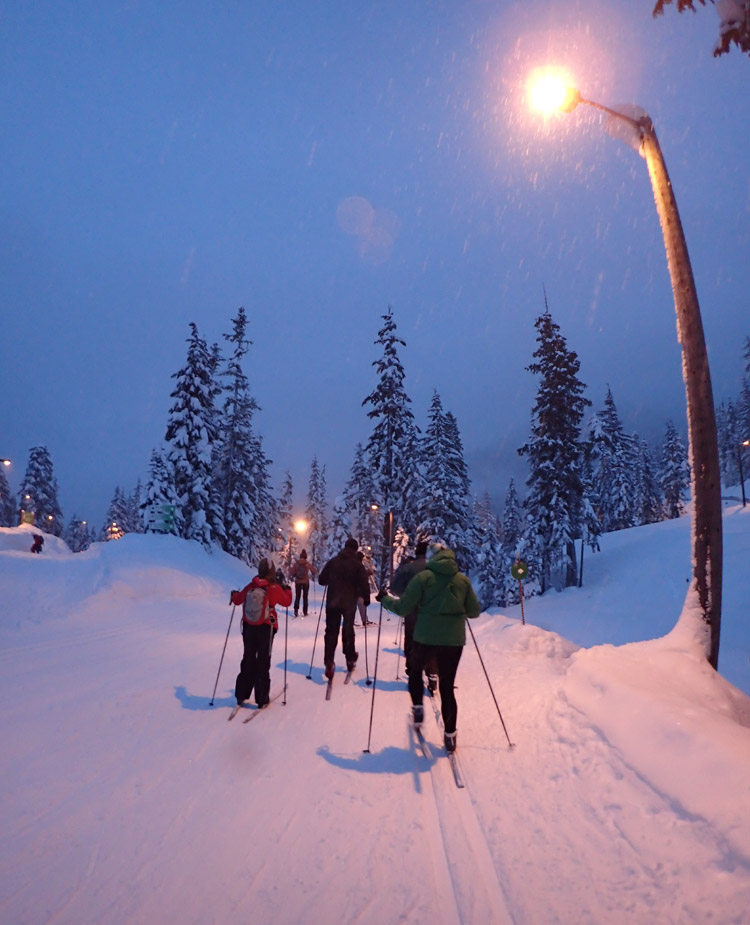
(404, 574)
(300, 573)
(36, 546)
(361, 606)
(259, 623)
(346, 580)
(445, 599)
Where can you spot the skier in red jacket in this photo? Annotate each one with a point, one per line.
(259, 624)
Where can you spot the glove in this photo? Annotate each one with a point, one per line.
(231, 596)
(380, 595)
(280, 577)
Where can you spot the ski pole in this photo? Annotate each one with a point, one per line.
(489, 682)
(286, 641)
(367, 666)
(374, 680)
(315, 641)
(221, 661)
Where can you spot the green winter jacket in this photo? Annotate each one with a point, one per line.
(444, 597)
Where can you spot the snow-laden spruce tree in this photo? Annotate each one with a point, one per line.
(77, 534)
(39, 492)
(8, 507)
(359, 495)
(611, 458)
(117, 518)
(647, 500)
(488, 578)
(445, 506)
(392, 447)
(266, 523)
(161, 511)
(316, 516)
(287, 539)
(729, 437)
(240, 471)
(674, 475)
(553, 503)
(190, 438)
(340, 527)
(134, 501)
(744, 398)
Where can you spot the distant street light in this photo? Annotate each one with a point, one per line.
(739, 464)
(5, 462)
(551, 92)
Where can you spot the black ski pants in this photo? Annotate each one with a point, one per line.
(301, 588)
(410, 623)
(340, 617)
(447, 658)
(255, 668)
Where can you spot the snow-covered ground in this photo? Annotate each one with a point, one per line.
(127, 798)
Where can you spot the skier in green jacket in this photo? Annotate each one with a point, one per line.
(445, 599)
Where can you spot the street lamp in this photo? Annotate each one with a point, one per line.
(5, 462)
(739, 465)
(550, 92)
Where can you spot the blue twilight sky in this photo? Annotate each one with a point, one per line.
(166, 162)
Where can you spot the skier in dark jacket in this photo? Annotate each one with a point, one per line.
(346, 580)
(445, 599)
(259, 624)
(403, 575)
(36, 546)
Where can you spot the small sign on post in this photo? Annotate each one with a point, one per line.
(519, 570)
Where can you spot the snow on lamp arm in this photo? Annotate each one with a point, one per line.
(547, 93)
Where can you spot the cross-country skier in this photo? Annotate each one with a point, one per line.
(259, 600)
(300, 573)
(403, 575)
(445, 599)
(361, 606)
(346, 579)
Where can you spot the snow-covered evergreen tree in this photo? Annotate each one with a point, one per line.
(191, 435)
(134, 501)
(117, 519)
(647, 503)
(728, 432)
(340, 528)
(161, 511)
(674, 476)
(359, 496)
(489, 556)
(286, 534)
(8, 507)
(316, 515)
(445, 506)
(392, 447)
(553, 503)
(611, 458)
(512, 522)
(39, 492)
(241, 472)
(77, 534)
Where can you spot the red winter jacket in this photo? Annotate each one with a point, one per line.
(275, 594)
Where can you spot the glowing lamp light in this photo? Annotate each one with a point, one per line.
(300, 526)
(5, 462)
(551, 91)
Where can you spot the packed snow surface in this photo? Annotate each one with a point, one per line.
(127, 798)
